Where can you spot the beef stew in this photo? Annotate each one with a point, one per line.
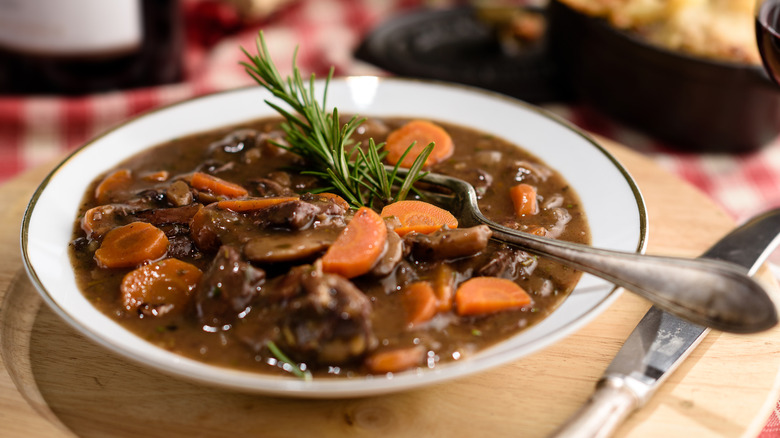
(246, 286)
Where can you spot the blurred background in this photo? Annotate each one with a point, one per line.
(678, 80)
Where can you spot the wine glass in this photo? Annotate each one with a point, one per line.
(768, 36)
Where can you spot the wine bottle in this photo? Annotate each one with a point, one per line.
(86, 46)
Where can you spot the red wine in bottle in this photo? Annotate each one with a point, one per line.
(768, 37)
(87, 46)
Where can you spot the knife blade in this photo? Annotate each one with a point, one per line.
(661, 341)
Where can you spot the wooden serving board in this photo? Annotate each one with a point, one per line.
(56, 383)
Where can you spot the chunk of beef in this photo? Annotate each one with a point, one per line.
(510, 263)
(329, 211)
(208, 225)
(181, 246)
(174, 215)
(227, 288)
(449, 243)
(289, 285)
(329, 321)
(293, 215)
(301, 214)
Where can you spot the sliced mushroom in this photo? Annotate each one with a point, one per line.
(449, 243)
(179, 193)
(394, 251)
(290, 247)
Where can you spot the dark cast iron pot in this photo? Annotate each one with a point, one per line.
(691, 103)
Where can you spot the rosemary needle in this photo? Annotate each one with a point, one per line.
(319, 137)
(292, 367)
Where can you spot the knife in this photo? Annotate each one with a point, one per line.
(661, 341)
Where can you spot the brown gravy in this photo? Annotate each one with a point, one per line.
(242, 155)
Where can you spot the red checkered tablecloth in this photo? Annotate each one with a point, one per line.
(35, 130)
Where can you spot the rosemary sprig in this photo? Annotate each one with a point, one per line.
(292, 367)
(319, 137)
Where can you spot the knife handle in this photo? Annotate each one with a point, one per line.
(606, 409)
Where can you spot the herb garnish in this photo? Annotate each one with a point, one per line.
(319, 137)
(292, 367)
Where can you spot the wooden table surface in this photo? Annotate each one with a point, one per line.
(56, 383)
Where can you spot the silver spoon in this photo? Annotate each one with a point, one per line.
(707, 292)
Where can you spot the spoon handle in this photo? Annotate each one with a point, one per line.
(709, 292)
(712, 293)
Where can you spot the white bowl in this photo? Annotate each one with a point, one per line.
(612, 202)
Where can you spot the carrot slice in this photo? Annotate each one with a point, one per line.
(524, 199)
(444, 287)
(158, 176)
(162, 287)
(253, 204)
(420, 302)
(358, 247)
(336, 199)
(484, 295)
(130, 245)
(111, 184)
(217, 186)
(421, 133)
(393, 361)
(419, 216)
